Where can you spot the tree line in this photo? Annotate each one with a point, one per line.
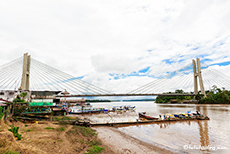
(214, 96)
(167, 99)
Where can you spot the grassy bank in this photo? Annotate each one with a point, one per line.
(49, 137)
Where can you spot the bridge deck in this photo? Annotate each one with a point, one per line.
(101, 95)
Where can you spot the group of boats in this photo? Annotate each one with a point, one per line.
(175, 116)
(77, 109)
(87, 108)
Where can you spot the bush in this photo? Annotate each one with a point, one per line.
(29, 130)
(49, 128)
(96, 149)
(61, 129)
(10, 152)
(85, 131)
(94, 142)
(14, 130)
(1, 112)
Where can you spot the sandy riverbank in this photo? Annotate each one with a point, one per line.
(121, 143)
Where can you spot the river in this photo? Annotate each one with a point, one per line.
(199, 137)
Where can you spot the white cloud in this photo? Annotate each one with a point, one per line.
(98, 38)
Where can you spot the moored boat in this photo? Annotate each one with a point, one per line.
(125, 108)
(75, 109)
(143, 115)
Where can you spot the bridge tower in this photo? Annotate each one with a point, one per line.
(197, 73)
(25, 83)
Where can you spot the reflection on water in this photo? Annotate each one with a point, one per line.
(175, 135)
(203, 129)
(204, 138)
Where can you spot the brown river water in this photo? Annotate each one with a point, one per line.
(201, 137)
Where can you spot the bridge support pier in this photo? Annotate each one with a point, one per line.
(197, 73)
(25, 83)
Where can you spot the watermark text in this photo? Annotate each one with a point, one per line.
(204, 148)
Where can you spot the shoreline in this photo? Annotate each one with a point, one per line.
(194, 103)
(121, 143)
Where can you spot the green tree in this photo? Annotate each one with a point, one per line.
(179, 91)
(199, 96)
(18, 100)
(216, 96)
(166, 99)
(23, 95)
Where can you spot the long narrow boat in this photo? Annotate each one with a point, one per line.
(142, 115)
(37, 111)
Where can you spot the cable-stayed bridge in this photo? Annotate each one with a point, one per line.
(31, 74)
(44, 78)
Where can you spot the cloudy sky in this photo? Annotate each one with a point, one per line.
(118, 45)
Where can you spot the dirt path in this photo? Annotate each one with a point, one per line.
(66, 143)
